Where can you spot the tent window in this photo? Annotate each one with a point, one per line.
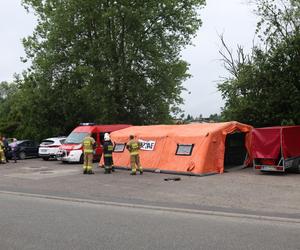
(119, 147)
(184, 149)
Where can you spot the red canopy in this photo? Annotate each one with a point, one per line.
(291, 141)
(268, 142)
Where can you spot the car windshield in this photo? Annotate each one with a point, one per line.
(76, 137)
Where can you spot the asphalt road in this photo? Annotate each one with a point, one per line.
(243, 191)
(49, 205)
(42, 223)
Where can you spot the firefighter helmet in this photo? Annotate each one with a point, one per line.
(106, 137)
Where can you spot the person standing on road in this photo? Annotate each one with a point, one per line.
(14, 149)
(133, 146)
(2, 156)
(88, 149)
(108, 148)
(6, 147)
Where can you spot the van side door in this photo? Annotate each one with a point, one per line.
(98, 150)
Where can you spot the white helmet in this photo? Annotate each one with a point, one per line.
(106, 137)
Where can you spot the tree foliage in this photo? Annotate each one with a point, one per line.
(106, 61)
(264, 86)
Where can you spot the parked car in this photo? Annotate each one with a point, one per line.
(50, 146)
(26, 148)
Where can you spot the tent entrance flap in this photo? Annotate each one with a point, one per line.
(235, 150)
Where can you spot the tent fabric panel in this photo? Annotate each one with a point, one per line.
(214, 161)
(208, 151)
(291, 141)
(183, 163)
(186, 130)
(121, 159)
(149, 159)
(266, 143)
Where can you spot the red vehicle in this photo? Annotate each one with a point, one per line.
(71, 150)
(276, 149)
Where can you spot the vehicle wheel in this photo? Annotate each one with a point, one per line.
(81, 159)
(22, 155)
(45, 158)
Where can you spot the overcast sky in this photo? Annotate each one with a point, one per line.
(232, 18)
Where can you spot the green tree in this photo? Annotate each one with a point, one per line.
(108, 61)
(189, 118)
(215, 117)
(264, 86)
(8, 93)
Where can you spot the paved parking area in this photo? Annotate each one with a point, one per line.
(40, 172)
(240, 190)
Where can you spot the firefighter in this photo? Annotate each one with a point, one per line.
(2, 156)
(107, 150)
(133, 147)
(88, 148)
(6, 148)
(14, 149)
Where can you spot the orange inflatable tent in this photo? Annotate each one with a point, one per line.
(192, 148)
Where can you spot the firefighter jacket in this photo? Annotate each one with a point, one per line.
(1, 146)
(133, 147)
(88, 144)
(108, 148)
